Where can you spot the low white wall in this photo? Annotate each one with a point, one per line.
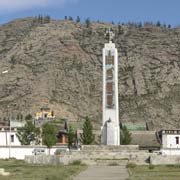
(164, 159)
(19, 152)
(169, 141)
(170, 151)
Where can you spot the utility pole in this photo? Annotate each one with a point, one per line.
(9, 118)
(9, 137)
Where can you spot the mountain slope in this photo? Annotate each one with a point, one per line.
(60, 64)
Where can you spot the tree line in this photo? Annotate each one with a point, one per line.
(30, 134)
(132, 24)
(40, 19)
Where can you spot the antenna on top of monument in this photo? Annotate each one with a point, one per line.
(110, 35)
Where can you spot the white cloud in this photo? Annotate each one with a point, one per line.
(18, 5)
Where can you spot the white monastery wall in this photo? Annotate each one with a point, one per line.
(169, 141)
(19, 152)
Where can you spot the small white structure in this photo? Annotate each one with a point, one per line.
(8, 138)
(8, 135)
(110, 134)
(170, 142)
(17, 124)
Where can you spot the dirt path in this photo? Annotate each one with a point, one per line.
(104, 173)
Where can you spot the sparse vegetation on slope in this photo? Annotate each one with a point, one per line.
(59, 63)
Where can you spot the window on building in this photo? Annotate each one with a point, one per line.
(12, 138)
(177, 140)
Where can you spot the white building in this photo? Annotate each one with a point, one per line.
(8, 135)
(8, 138)
(170, 140)
(10, 146)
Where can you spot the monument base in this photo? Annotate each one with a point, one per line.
(110, 134)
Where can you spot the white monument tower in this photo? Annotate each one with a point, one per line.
(110, 132)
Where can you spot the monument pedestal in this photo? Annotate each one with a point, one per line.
(112, 134)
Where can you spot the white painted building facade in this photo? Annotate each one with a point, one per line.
(9, 138)
(170, 142)
(10, 146)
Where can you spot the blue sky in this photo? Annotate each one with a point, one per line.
(167, 11)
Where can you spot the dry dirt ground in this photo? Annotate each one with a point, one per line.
(104, 173)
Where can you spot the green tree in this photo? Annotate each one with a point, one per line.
(120, 30)
(21, 117)
(125, 136)
(47, 19)
(12, 61)
(4, 119)
(88, 22)
(49, 135)
(139, 24)
(28, 117)
(70, 18)
(28, 134)
(70, 137)
(158, 24)
(18, 116)
(78, 19)
(87, 137)
(40, 19)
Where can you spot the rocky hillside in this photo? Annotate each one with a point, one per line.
(60, 64)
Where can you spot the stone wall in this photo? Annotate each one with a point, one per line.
(164, 159)
(99, 155)
(110, 148)
(44, 159)
(93, 155)
(170, 151)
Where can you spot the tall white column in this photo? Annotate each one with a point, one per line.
(110, 132)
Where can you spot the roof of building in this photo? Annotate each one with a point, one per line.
(135, 127)
(170, 131)
(60, 133)
(145, 138)
(17, 124)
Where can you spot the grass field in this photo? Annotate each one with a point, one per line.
(19, 170)
(160, 172)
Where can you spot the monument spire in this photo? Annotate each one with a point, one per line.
(110, 35)
(110, 123)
